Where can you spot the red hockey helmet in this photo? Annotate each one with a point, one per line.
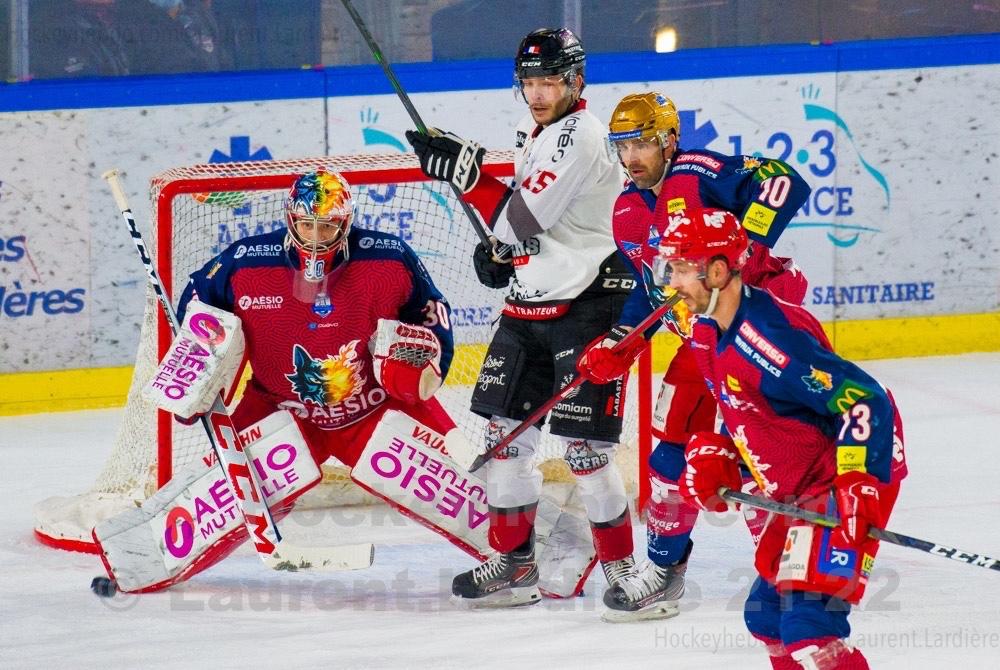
(699, 236)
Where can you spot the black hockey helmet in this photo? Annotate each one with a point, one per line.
(545, 52)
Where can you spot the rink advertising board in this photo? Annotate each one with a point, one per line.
(896, 239)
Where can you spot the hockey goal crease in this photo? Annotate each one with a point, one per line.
(200, 210)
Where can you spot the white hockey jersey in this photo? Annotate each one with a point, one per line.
(559, 215)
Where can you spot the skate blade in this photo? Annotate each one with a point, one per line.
(516, 597)
(654, 612)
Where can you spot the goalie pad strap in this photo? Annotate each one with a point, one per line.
(406, 464)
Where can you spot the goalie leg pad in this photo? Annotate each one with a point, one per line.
(405, 463)
(194, 521)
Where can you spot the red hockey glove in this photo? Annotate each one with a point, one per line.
(858, 502)
(599, 364)
(712, 463)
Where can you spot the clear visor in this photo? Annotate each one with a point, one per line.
(621, 146)
(552, 83)
(666, 268)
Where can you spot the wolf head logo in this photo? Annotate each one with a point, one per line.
(326, 381)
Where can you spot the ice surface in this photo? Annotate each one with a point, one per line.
(921, 611)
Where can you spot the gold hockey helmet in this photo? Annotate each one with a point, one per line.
(644, 115)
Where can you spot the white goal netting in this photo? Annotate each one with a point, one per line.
(200, 210)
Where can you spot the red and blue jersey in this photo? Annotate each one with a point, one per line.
(799, 414)
(764, 193)
(313, 357)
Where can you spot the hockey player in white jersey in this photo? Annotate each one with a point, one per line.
(566, 287)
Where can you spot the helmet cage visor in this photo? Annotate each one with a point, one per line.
(567, 77)
(320, 235)
(666, 265)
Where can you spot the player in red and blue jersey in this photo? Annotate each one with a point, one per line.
(766, 194)
(814, 429)
(341, 325)
(309, 310)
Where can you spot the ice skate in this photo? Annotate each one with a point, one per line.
(651, 593)
(616, 571)
(505, 580)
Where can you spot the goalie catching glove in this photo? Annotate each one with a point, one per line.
(407, 360)
(204, 359)
(602, 363)
(447, 157)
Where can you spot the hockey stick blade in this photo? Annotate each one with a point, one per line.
(295, 558)
(540, 413)
(926, 546)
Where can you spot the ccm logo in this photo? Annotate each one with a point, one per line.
(712, 450)
(619, 283)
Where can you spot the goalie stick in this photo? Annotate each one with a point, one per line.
(224, 439)
(499, 251)
(926, 546)
(540, 413)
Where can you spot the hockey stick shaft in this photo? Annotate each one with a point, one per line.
(926, 546)
(257, 516)
(380, 59)
(544, 409)
(415, 117)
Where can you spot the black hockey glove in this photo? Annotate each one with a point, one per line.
(447, 157)
(490, 272)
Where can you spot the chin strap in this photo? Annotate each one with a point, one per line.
(712, 302)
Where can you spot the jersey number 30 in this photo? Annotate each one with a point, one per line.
(435, 313)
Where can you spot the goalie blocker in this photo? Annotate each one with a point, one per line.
(206, 357)
(193, 522)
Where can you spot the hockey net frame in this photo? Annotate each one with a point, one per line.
(134, 471)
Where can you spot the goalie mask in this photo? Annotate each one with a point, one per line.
(319, 211)
(548, 53)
